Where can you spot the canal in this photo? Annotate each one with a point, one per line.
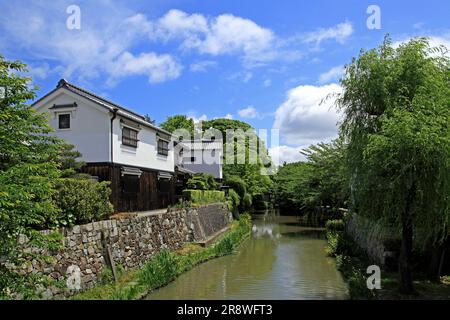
(282, 260)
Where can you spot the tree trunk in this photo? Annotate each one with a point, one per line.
(406, 283)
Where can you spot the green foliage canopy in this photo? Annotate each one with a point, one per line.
(397, 113)
(396, 104)
(321, 180)
(178, 121)
(28, 173)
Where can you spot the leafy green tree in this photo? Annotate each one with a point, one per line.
(320, 181)
(178, 121)
(69, 160)
(238, 184)
(396, 114)
(202, 181)
(234, 201)
(256, 182)
(223, 124)
(329, 177)
(28, 173)
(290, 179)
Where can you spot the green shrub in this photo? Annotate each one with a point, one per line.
(336, 238)
(246, 202)
(233, 200)
(224, 247)
(204, 196)
(355, 278)
(237, 184)
(335, 225)
(196, 183)
(202, 181)
(81, 201)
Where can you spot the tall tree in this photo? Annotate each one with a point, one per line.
(178, 121)
(321, 180)
(256, 182)
(28, 173)
(396, 102)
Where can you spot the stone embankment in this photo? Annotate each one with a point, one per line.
(127, 243)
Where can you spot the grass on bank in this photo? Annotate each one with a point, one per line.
(165, 266)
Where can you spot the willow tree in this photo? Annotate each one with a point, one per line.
(396, 102)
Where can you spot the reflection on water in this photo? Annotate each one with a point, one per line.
(282, 260)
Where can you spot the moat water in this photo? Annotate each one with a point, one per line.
(282, 260)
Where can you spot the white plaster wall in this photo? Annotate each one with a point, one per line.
(89, 126)
(146, 154)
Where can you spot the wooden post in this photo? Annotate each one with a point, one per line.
(111, 261)
(108, 256)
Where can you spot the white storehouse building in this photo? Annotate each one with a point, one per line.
(117, 145)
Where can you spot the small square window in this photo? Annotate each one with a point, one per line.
(64, 121)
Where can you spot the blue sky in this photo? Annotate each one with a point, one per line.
(269, 63)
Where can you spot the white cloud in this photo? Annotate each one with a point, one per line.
(286, 154)
(178, 24)
(193, 116)
(331, 75)
(307, 117)
(158, 68)
(443, 40)
(223, 34)
(228, 116)
(100, 48)
(105, 41)
(339, 33)
(249, 112)
(229, 33)
(267, 83)
(201, 66)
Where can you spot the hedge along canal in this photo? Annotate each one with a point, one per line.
(165, 266)
(281, 260)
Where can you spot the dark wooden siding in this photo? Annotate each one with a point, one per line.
(149, 197)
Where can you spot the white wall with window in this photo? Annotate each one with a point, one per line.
(86, 125)
(138, 145)
(79, 122)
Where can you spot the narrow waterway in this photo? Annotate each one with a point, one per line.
(282, 260)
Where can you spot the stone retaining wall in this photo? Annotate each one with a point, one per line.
(377, 241)
(130, 242)
(204, 221)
